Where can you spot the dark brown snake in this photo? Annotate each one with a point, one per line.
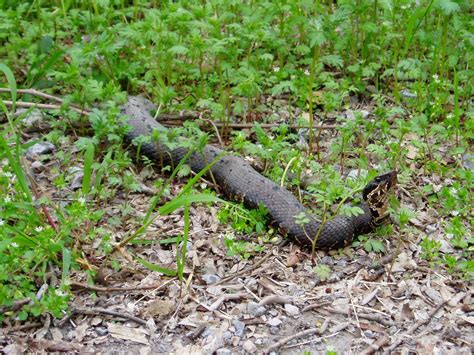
(238, 180)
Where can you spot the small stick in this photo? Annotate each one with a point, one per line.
(410, 331)
(55, 346)
(229, 297)
(37, 93)
(15, 306)
(375, 346)
(263, 125)
(303, 333)
(45, 106)
(245, 271)
(221, 142)
(95, 310)
(113, 289)
(275, 299)
(315, 305)
(374, 317)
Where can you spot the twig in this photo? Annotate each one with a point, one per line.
(44, 208)
(275, 299)
(22, 327)
(315, 305)
(245, 271)
(373, 317)
(15, 305)
(45, 106)
(263, 125)
(376, 346)
(410, 331)
(95, 310)
(229, 297)
(113, 289)
(197, 332)
(54, 346)
(34, 92)
(306, 332)
(221, 142)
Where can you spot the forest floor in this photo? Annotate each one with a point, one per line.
(271, 302)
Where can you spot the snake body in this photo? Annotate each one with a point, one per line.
(238, 180)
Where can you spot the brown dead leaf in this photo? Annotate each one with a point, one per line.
(160, 308)
(295, 257)
(407, 312)
(137, 335)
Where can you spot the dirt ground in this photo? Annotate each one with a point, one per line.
(393, 302)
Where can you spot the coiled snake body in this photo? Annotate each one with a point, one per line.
(239, 180)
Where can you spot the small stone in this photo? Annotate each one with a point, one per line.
(274, 322)
(37, 166)
(291, 310)
(274, 330)
(249, 346)
(239, 327)
(210, 278)
(33, 121)
(101, 331)
(255, 309)
(226, 336)
(355, 173)
(468, 161)
(223, 351)
(235, 340)
(77, 176)
(408, 94)
(40, 148)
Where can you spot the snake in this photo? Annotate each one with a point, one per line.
(239, 181)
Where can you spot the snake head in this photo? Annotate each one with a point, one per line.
(377, 192)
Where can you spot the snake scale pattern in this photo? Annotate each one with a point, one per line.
(239, 181)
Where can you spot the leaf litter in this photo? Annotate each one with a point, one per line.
(272, 302)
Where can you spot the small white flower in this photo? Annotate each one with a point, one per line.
(436, 78)
(82, 201)
(39, 229)
(276, 69)
(14, 245)
(7, 199)
(60, 293)
(2, 222)
(306, 72)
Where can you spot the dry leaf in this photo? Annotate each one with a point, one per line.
(137, 335)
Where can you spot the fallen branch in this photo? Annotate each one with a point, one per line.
(114, 289)
(373, 317)
(95, 310)
(229, 297)
(54, 346)
(306, 332)
(45, 106)
(275, 299)
(410, 331)
(15, 305)
(245, 271)
(251, 125)
(375, 346)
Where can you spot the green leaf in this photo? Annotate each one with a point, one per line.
(66, 266)
(157, 268)
(322, 271)
(181, 201)
(88, 163)
(11, 82)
